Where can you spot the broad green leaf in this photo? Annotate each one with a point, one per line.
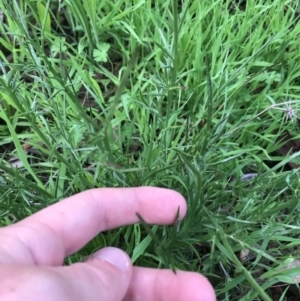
(100, 54)
(44, 17)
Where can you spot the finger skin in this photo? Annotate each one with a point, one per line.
(50, 235)
(30, 247)
(163, 285)
(93, 280)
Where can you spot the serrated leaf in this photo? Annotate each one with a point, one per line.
(100, 54)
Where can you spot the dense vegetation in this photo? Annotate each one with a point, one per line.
(193, 96)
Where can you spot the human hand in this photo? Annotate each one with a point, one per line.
(32, 251)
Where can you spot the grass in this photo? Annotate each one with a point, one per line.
(179, 95)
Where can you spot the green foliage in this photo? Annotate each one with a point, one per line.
(100, 54)
(184, 96)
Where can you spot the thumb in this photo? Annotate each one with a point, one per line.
(105, 275)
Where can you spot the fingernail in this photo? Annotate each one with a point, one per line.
(114, 256)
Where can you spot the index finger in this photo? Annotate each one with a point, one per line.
(67, 226)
